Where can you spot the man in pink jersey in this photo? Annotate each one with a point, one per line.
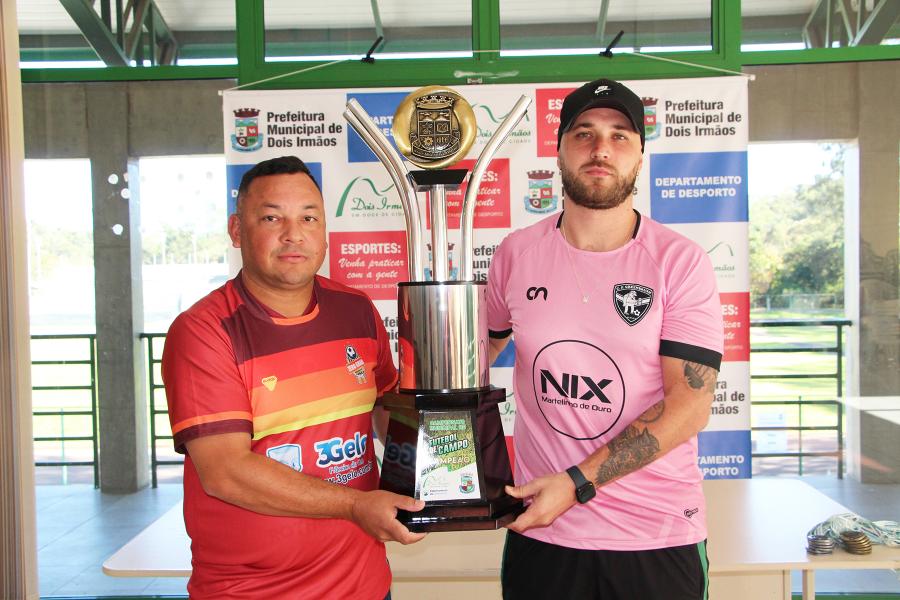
(271, 382)
(618, 341)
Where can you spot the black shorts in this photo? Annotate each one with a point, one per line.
(534, 569)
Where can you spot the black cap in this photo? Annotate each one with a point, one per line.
(602, 93)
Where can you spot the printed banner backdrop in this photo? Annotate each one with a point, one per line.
(694, 180)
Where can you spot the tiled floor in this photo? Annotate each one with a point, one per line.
(79, 527)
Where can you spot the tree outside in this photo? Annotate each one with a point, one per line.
(797, 237)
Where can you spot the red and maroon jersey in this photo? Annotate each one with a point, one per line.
(303, 388)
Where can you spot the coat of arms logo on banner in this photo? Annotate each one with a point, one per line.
(651, 124)
(246, 136)
(541, 198)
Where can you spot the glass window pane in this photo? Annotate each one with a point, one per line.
(802, 24)
(204, 30)
(48, 36)
(348, 28)
(588, 26)
(796, 236)
(60, 246)
(183, 234)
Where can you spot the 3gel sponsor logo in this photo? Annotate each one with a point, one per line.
(338, 450)
(402, 454)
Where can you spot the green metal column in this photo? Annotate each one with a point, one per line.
(486, 29)
(251, 39)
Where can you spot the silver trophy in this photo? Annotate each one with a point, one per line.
(445, 443)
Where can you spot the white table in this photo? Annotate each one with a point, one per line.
(757, 530)
(757, 536)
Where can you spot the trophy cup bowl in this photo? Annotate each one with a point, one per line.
(445, 443)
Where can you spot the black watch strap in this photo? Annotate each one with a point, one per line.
(584, 489)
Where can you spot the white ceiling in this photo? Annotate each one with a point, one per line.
(48, 16)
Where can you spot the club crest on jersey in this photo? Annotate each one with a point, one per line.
(632, 301)
(356, 366)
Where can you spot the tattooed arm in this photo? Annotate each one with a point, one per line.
(684, 410)
(681, 414)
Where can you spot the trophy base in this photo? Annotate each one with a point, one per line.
(421, 523)
(448, 449)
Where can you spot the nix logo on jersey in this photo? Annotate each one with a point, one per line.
(578, 389)
(632, 301)
(567, 385)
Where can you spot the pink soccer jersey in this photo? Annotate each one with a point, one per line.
(586, 370)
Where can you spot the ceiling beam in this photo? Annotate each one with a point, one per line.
(601, 21)
(96, 32)
(877, 24)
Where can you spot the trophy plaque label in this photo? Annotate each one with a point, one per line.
(448, 469)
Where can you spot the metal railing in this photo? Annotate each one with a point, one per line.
(156, 386)
(155, 340)
(837, 348)
(65, 414)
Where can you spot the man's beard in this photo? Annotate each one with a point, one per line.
(598, 197)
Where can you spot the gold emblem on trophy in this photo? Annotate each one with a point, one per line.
(434, 127)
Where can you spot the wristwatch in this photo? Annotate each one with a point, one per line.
(584, 489)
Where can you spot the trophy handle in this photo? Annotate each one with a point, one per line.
(360, 120)
(468, 208)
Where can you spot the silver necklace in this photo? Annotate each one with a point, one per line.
(585, 298)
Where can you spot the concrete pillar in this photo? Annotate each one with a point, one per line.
(124, 454)
(876, 429)
(879, 205)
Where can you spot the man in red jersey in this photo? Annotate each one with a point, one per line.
(271, 382)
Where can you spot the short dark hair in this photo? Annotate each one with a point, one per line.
(283, 165)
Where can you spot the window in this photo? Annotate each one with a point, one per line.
(349, 28)
(801, 24)
(183, 234)
(582, 26)
(50, 37)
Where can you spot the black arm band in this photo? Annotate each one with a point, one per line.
(703, 356)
